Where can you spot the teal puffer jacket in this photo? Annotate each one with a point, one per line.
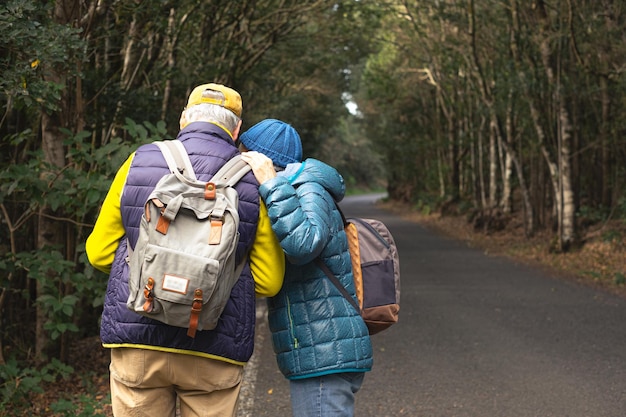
(315, 331)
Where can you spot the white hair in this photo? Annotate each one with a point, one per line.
(212, 113)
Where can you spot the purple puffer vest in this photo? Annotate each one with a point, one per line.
(209, 147)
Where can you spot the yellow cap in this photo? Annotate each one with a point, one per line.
(232, 99)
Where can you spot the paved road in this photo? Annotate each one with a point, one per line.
(478, 336)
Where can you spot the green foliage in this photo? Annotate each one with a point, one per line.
(621, 208)
(446, 69)
(613, 236)
(593, 214)
(33, 45)
(17, 382)
(68, 286)
(310, 87)
(83, 406)
(427, 204)
(423, 207)
(49, 269)
(352, 154)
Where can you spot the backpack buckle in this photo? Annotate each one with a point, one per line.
(215, 236)
(148, 295)
(196, 308)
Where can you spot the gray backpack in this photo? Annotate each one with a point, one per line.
(182, 268)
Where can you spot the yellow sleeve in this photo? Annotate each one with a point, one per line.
(267, 260)
(109, 229)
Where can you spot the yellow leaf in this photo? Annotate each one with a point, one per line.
(34, 64)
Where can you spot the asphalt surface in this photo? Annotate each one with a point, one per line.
(478, 336)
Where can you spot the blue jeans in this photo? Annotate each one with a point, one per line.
(325, 396)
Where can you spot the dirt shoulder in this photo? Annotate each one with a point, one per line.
(599, 262)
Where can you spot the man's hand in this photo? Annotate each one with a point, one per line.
(262, 166)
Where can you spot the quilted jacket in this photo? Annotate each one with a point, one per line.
(315, 331)
(232, 340)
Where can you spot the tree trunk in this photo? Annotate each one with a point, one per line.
(529, 209)
(493, 166)
(451, 159)
(3, 293)
(473, 177)
(552, 166)
(487, 98)
(513, 160)
(529, 218)
(481, 164)
(565, 193)
(506, 201)
(51, 232)
(569, 207)
(133, 57)
(170, 47)
(605, 162)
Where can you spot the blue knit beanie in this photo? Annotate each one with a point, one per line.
(275, 139)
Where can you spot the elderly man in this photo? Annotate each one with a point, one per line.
(154, 364)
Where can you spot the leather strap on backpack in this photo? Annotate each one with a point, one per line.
(196, 308)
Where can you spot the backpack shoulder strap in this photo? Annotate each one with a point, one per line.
(321, 265)
(232, 171)
(176, 157)
(179, 164)
(343, 216)
(184, 156)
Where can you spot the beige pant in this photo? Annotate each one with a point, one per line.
(147, 383)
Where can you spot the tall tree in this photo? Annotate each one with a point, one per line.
(63, 113)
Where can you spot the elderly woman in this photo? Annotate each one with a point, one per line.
(321, 343)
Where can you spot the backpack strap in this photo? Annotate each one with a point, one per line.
(318, 261)
(179, 163)
(184, 156)
(232, 171)
(343, 216)
(321, 265)
(177, 158)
